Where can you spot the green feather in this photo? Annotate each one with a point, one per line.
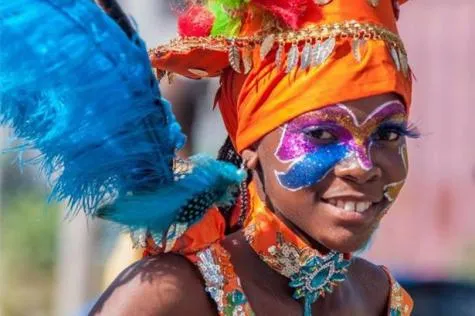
(224, 23)
(232, 4)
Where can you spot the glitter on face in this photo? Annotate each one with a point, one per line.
(310, 162)
(392, 190)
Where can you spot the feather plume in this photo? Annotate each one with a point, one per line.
(76, 87)
(288, 11)
(225, 24)
(215, 177)
(195, 21)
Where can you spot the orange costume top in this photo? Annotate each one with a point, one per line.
(277, 60)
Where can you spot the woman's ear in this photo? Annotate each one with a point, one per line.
(251, 158)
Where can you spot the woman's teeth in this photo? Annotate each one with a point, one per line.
(351, 206)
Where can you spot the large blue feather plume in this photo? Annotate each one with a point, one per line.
(74, 86)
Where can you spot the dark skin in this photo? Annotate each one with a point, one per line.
(169, 284)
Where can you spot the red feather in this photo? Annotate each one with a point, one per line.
(288, 11)
(195, 21)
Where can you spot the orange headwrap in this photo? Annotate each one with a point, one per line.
(254, 104)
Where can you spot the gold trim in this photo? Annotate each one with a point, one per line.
(353, 29)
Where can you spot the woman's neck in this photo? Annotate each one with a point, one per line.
(322, 250)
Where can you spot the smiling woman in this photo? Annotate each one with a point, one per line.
(315, 97)
(344, 164)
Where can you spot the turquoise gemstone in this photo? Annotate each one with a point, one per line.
(237, 298)
(320, 278)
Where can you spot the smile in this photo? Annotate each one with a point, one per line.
(355, 211)
(351, 206)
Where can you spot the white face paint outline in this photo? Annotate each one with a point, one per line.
(402, 152)
(352, 154)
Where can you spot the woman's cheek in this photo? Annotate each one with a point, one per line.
(395, 168)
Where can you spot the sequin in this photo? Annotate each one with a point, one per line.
(310, 274)
(292, 58)
(310, 162)
(222, 283)
(213, 276)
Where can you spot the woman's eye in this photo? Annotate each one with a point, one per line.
(321, 135)
(387, 135)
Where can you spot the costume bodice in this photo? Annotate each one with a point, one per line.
(224, 286)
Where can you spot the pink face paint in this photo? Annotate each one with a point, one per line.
(310, 160)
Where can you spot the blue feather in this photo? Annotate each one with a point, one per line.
(75, 87)
(209, 175)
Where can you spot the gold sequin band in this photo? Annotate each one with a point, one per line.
(319, 42)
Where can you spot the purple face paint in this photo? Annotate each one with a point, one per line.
(311, 159)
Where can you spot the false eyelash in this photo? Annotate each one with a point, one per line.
(403, 129)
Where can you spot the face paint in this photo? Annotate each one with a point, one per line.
(310, 162)
(392, 190)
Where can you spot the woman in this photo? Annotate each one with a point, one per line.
(315, 97)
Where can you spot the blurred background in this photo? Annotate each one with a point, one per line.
(50, 265)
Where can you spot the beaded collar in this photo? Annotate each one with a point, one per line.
(311, 275)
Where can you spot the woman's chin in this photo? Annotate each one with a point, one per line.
(346, 242)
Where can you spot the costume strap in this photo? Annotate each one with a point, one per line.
(400, 302)
(222, 282)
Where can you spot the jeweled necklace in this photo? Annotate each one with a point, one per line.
(311, 275)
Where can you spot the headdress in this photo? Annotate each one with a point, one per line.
(279, 59)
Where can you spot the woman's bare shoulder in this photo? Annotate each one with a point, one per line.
(372, 282)
(161, 285)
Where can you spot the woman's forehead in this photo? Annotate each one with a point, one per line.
(354, 113)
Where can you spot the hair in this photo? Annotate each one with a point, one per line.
(228, 153)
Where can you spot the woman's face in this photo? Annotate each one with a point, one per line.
(333, 173)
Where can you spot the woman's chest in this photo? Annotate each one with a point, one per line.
(271, 298)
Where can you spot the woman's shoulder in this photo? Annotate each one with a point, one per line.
(166, 284)
(372, 282)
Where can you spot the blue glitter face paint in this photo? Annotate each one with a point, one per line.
(315, 142)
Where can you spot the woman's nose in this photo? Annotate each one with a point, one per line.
(354, 170)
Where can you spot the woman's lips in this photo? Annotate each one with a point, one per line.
(351, 211)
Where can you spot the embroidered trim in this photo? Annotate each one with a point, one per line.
(320, 42)
(222, 283)
(398, 306)
(352, 29)
(400, 303)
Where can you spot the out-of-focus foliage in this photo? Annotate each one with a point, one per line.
(28, 228)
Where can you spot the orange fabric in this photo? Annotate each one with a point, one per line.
(265, 223)
(253, 105)
(335, 11)
(400, 302)
(199, 236)
(233, 300)
(256, 104)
